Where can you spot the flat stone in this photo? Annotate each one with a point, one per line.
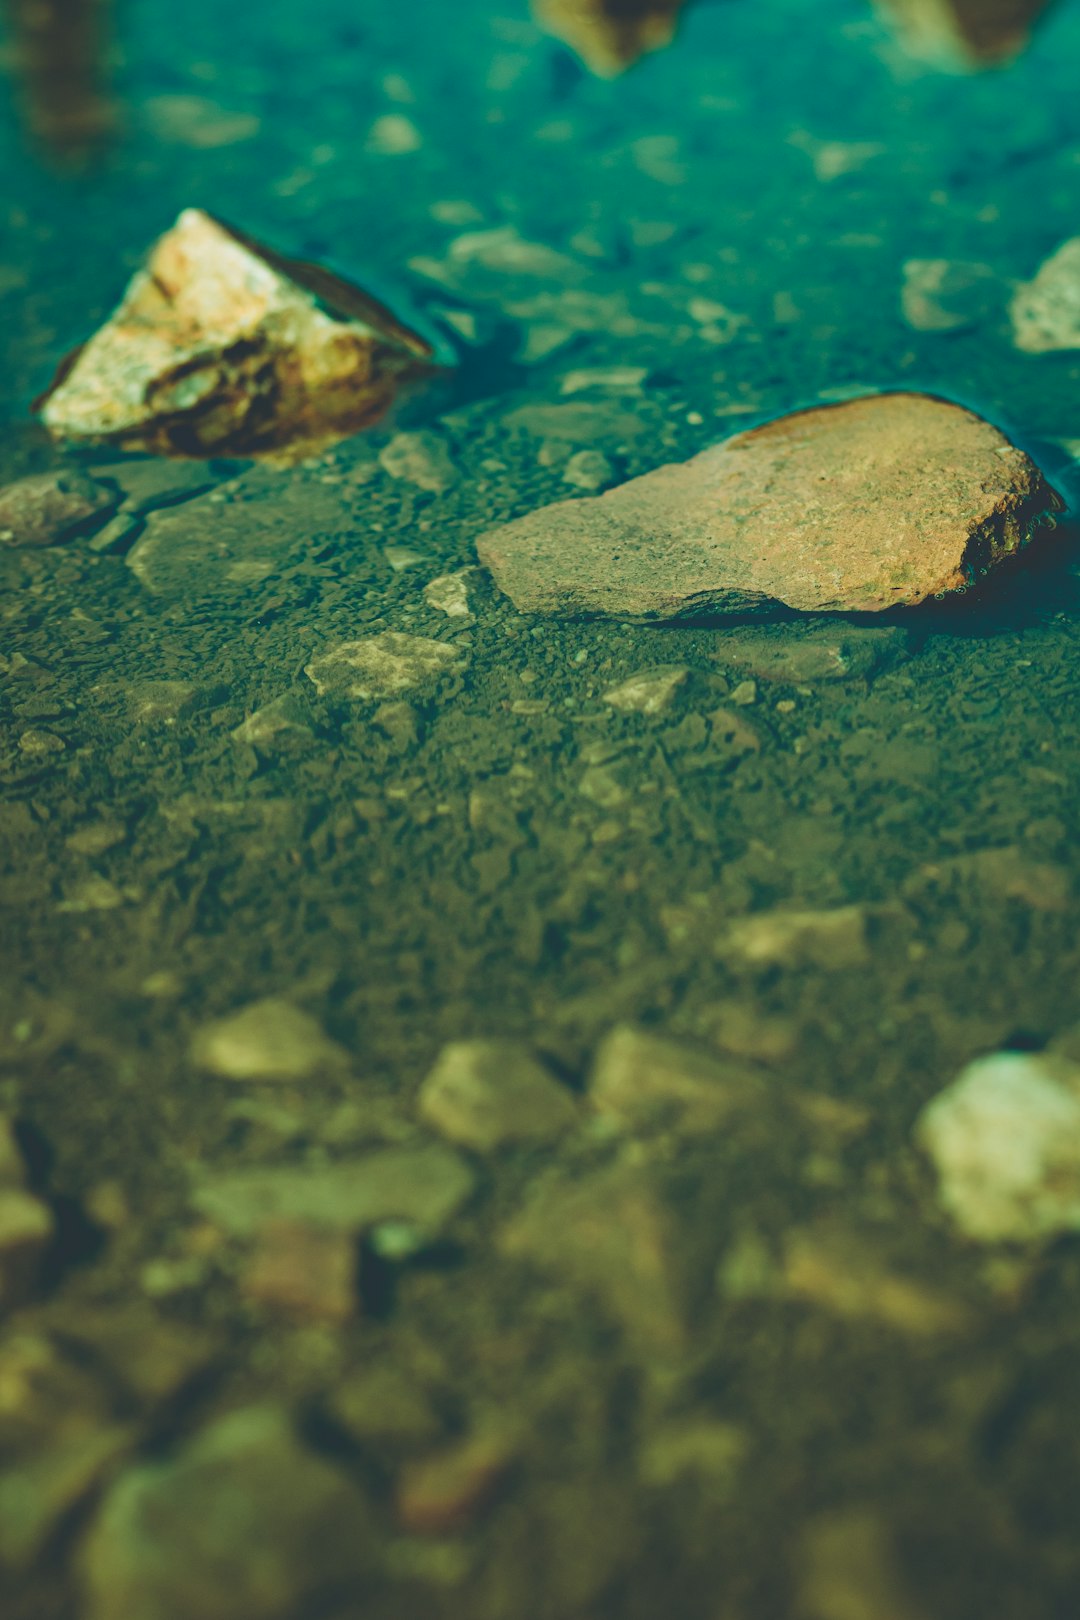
(424, 1186)
(449, 594)
(947, 295)
(244, 1523)
(1004, 1138)
(797, 655)
(303, 1270)
(610, 35)
(52, 507)
(222, 347)
(868, 505)
(831, 939)
(381, 666)
(1046, 311)
(270, 1040)
(650, 691)
(421, 459)
(639, 1080)
(487, 1094)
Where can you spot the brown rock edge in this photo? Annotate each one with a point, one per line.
(222, 347)
(873, 504)
(610, 35)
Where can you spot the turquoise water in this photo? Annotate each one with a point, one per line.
(730, 1360)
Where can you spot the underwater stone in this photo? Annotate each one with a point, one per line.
(650, 691)
(222, 347)
(49, 508)
(268, 1040)
(872, 504)
(820, 939)
(449, 594)
(639, 1079)
(965, 33)
(610, 35)
(486, 1094)
(795, 655)
(1004, 1138)
(381, 666)
(421, 459)
(1046, 311)
(244, 1523)
(947, 295)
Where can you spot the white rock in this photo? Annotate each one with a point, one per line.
(945, 295)
(483, 1094)
(268, 1040)
(649, 691)
(421, 459)
(448, 594)
(1046, 311)
(381, 666)
(588, 469)
(820, 939)
(1005, 1140)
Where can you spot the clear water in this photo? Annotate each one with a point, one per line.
(721, 1411)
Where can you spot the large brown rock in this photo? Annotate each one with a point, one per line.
(610, 35)
(221, 347)
(873, 504)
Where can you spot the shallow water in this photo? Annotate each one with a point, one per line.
(735, 1367)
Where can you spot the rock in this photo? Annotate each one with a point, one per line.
(52, 507)
(843, 1272)
(269, 1040)
(421, 459)
(1004, 1138)
(149, 484)
(965, 33)
(1046, 311)
(381, 666)
(588, 469)
(610, 35)
(794, 656)
(303, 1270)
(449, 594)
(605, 379)
(381, 1404)
(221, 347)
(611, 1238)
(36, 1495)
(488, 1094)
(863, 506)
(422, 1186)
(639, 1080)
(829, 940)
(650, 691)
(244, 1523)
(947, 295)
(445, 1492)
(283, 717)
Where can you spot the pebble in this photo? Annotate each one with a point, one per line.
(609, 37)
(947, 295)
(605, 379)
(243, 1523)
(1046, 311)
(449, 594)
(1004, 1138)
(283, 717)
(828, 940)
(872, 504)
(488, 1094)
(381, 666)
(302, 1270)
(52, 507)
(650, 691)
(423, 1186)
(270, 1040)
(639, 1080)
(588, 469)
(419, 458)
(796, 656)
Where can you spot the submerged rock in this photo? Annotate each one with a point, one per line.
(267, 1040)
(965, 33)
(869, 505)
(1046, 310)
(610, 35)
(51, 507)
(1005, 1141)
(650, 691)
(245, 1523)
(485, 1094)
(381, 666)
(222, 347)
